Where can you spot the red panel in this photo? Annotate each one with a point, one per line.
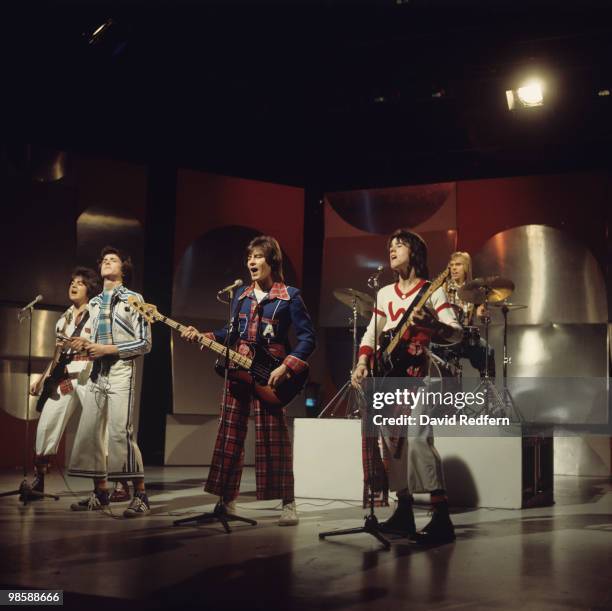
(575, 203)
(207, 201)
(11, 450)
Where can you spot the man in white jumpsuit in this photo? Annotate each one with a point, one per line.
(62, 381)
(119, 335)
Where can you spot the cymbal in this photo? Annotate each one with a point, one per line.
(510, 306)
(363, 302)
(490, 289)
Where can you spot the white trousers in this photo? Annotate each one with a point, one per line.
(52, 423)
(55, 416)
(108, 403)
(418, 466)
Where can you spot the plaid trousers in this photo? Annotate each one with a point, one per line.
(376, 452)
(273, 450)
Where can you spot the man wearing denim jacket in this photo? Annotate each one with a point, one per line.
(119, 335)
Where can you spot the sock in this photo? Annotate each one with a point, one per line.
(438, 497)
(404, 498)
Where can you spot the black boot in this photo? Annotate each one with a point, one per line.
(402, 520)
(440, 529)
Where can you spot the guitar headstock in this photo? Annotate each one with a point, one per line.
(147, 310)
(439, 281)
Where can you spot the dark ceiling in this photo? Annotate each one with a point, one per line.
(334, 93)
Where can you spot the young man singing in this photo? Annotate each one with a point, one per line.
(119, 335)
(72, 371)
(409, 466)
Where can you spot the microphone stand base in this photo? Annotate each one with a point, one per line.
(371, 526)
(219, 514)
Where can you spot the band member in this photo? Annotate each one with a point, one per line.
(118, 336)
(62, 380)
(263, 312)
(409, 466)
(460, 266)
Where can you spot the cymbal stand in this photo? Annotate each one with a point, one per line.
(25, 491)
(494, 403)
(347, 395)
(511, 409)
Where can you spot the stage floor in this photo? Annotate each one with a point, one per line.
(545, 558)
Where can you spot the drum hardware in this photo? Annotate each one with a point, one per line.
(490, 289)
(471, 335)
(494, 291)
(345, 403)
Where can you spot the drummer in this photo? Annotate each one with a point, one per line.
(473, 347)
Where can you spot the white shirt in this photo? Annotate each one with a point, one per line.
(391, 304)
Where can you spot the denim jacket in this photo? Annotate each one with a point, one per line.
(269, 321)
(131, 333)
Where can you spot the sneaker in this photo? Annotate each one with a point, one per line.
(439, 530)
(230, 507)
(289, 516)
(97, 500)
(402, 521)
(138, 507)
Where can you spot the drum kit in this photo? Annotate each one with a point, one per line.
(491, 291)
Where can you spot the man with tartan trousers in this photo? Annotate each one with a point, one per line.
(262, 312)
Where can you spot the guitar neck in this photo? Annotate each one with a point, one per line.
(211, 344)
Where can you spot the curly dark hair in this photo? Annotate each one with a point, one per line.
(126, 262)
(91, 280)
(272, 253)
(418, 250)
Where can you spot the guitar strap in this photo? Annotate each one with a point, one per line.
(235, 328)
(59, 371)
(416, 300)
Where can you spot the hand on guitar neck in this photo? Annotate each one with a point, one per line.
(277, 376)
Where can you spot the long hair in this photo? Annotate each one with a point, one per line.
(126, 262)
(272, 253)
(91, 280)
(466, 260)
(418, 250)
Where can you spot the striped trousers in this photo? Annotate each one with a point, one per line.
(108, 402)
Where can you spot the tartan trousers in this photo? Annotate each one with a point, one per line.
(273, 449)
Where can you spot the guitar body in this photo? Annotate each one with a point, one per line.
(264, 363)
(394, 364)
(51, 383)
(392, 358)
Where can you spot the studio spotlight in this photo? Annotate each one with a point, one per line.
(530, 95)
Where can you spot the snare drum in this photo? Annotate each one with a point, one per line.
(471, 336)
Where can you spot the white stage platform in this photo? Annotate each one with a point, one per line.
(480, 471)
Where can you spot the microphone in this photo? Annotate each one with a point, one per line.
(373, 279)
(31, 304)
(231, 287)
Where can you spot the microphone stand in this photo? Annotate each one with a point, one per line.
(371, 525)
(25, 491)
(220, 513)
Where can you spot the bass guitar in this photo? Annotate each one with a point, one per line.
(254, 370)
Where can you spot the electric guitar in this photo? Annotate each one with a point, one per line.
(253, 370)
(391, 354)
